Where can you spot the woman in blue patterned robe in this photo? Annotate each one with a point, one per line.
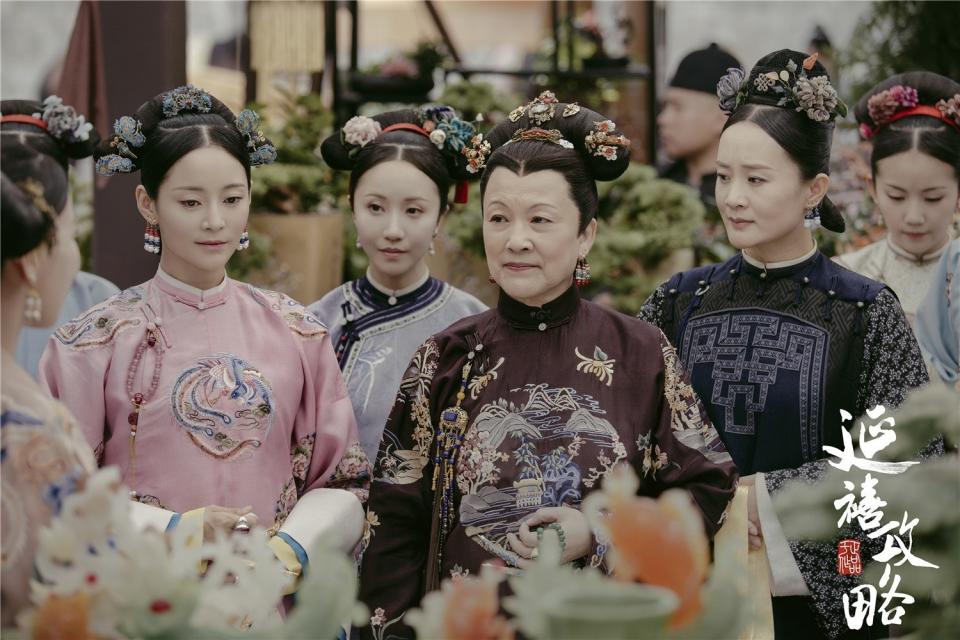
(781, 342)
(399, 188)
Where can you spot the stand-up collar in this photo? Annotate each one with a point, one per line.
(554, 313)
(774, 270)
(912, 257)
(183, 292)
(380, 296)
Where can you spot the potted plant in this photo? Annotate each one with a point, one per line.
(645, 234)
(405, 77)
(296, 204)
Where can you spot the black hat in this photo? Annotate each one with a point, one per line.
(701, 70)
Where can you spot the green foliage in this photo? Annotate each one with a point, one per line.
(299, 181)
(464, 223)
(428, 56)
(906, 35)
(643, 219)
(474, 97)
(254, 258)
(929, 492)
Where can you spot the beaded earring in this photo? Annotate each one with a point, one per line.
(151, 239)
(32, 306)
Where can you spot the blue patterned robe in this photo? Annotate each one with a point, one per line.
(374, 340)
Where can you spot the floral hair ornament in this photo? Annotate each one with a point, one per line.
(445, 129)
(186, 98)
(542, 109)
(950, 109)
(358, 132)
(603, 142)
(901, 101)
(126, 134)
(477, 153)
(789, 87)
(261, 151)
(61, 121)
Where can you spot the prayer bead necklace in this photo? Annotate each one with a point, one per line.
(139, 399)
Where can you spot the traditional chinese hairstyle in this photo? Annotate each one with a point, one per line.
(37, 142)
(28, 217)
(430, 138)
(789, 96)
(171, 125)
(916, 110)
(546, 134)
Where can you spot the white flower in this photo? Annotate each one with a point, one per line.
(360, 130)
(438, 137)
(608, 152)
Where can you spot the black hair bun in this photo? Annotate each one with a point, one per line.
(74, 136)
(903, 91)
(433, 127)
(786, 79)
(177, 108)
(24, 225)
(605, 151)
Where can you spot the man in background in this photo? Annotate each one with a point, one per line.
(689, 124)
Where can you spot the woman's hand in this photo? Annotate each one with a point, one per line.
(217, 518)
(754, 532)
(576, 534)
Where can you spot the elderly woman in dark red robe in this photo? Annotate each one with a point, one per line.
(505, 421)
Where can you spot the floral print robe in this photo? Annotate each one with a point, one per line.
(558, 396)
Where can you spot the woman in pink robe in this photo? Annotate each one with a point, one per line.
(201, 389)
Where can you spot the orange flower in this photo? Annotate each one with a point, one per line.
(810, 60)
(63, 618)
(473, 614)
(661, 542)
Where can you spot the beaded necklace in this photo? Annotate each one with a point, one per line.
(138, 398)
(450, 434)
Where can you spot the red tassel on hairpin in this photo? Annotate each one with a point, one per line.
(461, 194)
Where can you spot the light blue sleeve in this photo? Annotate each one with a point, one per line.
(938, 319)
(86, 291)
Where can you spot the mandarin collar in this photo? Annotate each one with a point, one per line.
(776, 270)
(383, 296)
(554, 313)
(928, 257)
(189, 295)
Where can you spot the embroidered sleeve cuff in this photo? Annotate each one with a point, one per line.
(785, 576)
(292, 555)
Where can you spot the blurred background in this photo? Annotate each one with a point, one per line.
(310, 65)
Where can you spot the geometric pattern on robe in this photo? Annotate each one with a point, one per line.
(908, 276)
(560, 395)
(375, 344)
(43, 459)
(775, 355)
(250, 407)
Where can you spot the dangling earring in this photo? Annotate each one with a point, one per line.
(151, 239)
(811, 219)
(358, 244)
(33, 306)
(582, 273)
(244, 240)
(431, 250)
